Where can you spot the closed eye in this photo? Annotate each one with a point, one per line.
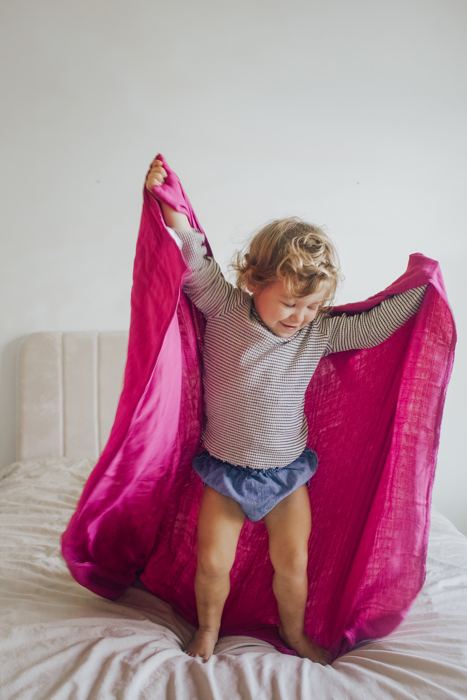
(289, 306)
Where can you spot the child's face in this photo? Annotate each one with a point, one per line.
(282, 314)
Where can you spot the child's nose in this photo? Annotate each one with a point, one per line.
(297, 317)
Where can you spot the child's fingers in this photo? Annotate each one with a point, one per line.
(156, 177)
(159, 171)
(153, 182)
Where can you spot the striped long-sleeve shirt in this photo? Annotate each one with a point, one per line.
(255, 381)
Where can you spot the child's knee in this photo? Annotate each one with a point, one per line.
(213, 562)
(291, 562)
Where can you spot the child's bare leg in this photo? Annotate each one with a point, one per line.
(220, 521)
(289, 527)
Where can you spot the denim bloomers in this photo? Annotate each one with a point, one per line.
(256, 490)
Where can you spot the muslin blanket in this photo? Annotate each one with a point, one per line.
(374, 419)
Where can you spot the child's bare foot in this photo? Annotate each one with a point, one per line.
(203, 644)
(302, 644)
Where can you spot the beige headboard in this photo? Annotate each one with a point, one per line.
(69, 386)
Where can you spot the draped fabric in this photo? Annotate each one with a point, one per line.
(374, 420)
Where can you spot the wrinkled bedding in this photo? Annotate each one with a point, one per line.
(58, 640)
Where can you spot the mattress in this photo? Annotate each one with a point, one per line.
(59, 640)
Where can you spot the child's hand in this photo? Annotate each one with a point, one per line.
(156, 175)
(172, 218)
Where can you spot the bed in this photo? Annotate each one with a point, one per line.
(59, 640)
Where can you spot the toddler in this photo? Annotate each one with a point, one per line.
(263, 341)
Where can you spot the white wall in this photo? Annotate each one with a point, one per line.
(350, 114)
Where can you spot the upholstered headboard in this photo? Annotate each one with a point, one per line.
(69, 386)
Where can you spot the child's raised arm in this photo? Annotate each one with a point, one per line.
(370, 328)
(205, 286)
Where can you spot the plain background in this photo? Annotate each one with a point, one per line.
(349, 114)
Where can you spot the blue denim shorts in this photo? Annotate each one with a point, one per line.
(256, 490)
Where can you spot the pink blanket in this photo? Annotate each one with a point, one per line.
(374, 420)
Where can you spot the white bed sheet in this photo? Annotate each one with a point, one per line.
(60, 641)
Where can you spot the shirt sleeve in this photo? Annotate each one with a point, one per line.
(372, 327)
(205, 286)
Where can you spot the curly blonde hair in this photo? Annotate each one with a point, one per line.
(298, 253)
